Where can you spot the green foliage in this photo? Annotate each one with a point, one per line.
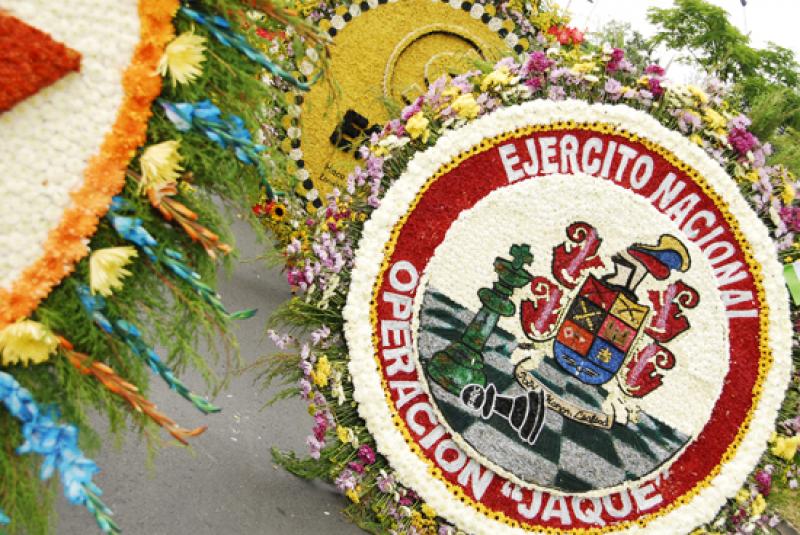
(765, 81)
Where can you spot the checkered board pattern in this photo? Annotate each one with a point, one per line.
(568, 455)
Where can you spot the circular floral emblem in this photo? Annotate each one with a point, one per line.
(565, 317)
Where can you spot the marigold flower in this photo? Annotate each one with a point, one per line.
(785, 447)
(107, 268)
(160, 164)
(182, 58)
(466, 106)
(417, 127)
(26, 341)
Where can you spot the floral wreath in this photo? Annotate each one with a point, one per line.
(326, 252)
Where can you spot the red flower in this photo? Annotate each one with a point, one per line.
(566, 35)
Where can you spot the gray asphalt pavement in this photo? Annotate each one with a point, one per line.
(227, 483)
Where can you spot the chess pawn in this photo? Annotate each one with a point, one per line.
(525, 413)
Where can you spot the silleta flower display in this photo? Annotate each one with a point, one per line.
(535, 363)
(553, 292)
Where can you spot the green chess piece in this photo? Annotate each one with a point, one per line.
(461, 363)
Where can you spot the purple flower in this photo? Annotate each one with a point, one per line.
(655, 87)
(790, 215)
(320, 334)
(537, 62)
(411, 109)
(613, 88)
(366, 454)
(534, 83)
(653, 68)
(305, 388)
(742, 140)
(688, 121)
(385, 483)
(614, 64)
(356, 467)
(346, 480)
(556, 93)
(314, 446)
(764, 482)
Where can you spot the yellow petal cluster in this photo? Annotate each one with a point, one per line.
(496, 79)
(182, 58)
(107, 268)
(322, 371)
(466, 106)
(785, 447)
(346, 435)
(700, 95)
(26, 341)
(417, 127)
(758, 506)
(160, 164)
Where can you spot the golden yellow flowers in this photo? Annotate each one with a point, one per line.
(182, 58)
(26, 341)
(696, 139)
(353, 494)
(346, 435)
(322, 371)
(714, 120)
(466, 106)
(160, 164)
(700, 95)
(785, 447)
(758, 506)
(107, 268)
(417, 127)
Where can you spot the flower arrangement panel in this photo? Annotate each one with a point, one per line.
(564, 317)
(385, 50)
(66, 147)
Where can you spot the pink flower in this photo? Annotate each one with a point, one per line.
(537, 62)
(790, 215)
(764, 482)
(655, 87)
(366, 454)
(615, 63)
(356, 467)
(653, 68)
(742, 140)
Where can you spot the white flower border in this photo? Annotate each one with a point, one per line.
(368, 390)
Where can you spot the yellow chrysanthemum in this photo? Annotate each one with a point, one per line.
(584, 67)
(697, 93)
(466, 106)
(715, 120)
(758, 506)
(26, 341)
(345, 435)
(428, 511)
(107, 268)
(417, 127)
(785, 447)
(182, 58)
(496, 79)
(743, 496)
(322, 371)
(160, 164)
(353, 494)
